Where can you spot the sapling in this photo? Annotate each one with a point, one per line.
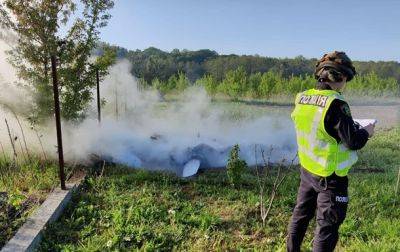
(235, 166)
(22, 148)
(262, 181)
(22, 132)
(264, 212)
(102, 168)
(2, 150)
(11, 141)
(40, 142)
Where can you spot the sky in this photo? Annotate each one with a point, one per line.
(364, 29)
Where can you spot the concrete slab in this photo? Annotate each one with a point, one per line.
(30, 234)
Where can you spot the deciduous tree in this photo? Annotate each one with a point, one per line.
(53, 27)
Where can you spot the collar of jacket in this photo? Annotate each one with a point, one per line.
(323, 86)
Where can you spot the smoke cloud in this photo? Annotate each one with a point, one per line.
(15, 100)
(139, 129)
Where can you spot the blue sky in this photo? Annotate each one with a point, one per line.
(365, 29)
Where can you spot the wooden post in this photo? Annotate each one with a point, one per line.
(58, 121)
(98, 96)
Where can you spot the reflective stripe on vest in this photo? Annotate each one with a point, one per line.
(319, 152)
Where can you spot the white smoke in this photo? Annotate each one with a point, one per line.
(141, 130)
(13, 92)
(15, 100)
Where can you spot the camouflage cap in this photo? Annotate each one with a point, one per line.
(338, 61)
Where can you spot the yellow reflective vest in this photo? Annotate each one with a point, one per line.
(319, 152)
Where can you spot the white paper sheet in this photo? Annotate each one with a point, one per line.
(365, 122)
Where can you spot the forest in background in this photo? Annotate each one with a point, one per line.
(250, 76)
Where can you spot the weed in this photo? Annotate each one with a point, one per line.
(235, 166)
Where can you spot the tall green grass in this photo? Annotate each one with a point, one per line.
(24, 185)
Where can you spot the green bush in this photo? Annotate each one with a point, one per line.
(182, 82)
(235, 83)
(235, 167)
(209, 84)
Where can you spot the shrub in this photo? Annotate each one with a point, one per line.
(235, 167)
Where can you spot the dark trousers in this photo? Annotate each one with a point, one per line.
(329, 197)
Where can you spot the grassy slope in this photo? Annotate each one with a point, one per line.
(24, 186)
(130, 209)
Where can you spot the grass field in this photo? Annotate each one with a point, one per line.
(129, 209)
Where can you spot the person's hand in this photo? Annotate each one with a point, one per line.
(370, 128)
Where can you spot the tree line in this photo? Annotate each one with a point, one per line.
(239, 84)
(153, 63)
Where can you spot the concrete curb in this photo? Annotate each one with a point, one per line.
(30, 234)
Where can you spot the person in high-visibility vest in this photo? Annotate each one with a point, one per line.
(327, 139)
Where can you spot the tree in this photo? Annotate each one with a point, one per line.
(159, 86)
(38, 23)
(182, 82)
(271, 83)
(209, 83)
(171, 83)
(254, 83)
(235, 83)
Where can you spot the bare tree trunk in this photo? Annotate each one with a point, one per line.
(98, 96)
(58, 122)
(11, 141)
